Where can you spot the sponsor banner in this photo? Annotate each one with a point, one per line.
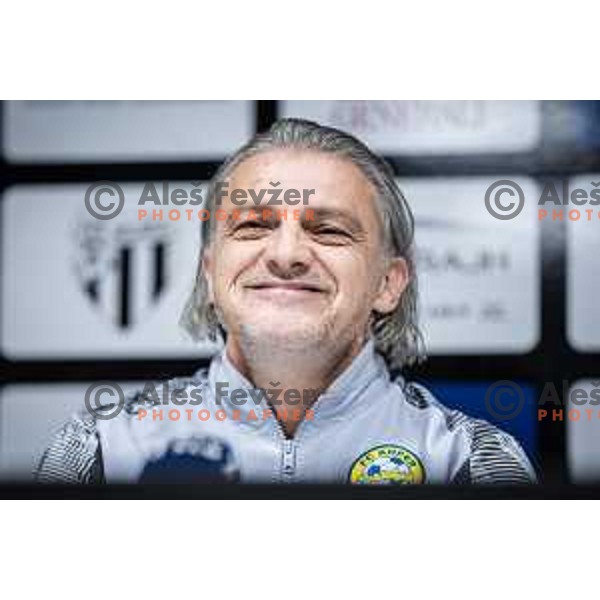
(583, 430)
(583, 271)
(124, 131)
(479, 276)
(79, 287)
(429, 127)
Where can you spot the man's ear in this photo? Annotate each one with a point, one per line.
(393, 284)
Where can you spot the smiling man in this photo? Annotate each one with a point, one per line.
(321, 308)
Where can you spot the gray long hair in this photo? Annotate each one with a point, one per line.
(396, 334)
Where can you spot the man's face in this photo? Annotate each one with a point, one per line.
(308, 282)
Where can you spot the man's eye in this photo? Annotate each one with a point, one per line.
(250, 229)
(332, 232)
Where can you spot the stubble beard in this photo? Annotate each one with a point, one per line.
(314, 348)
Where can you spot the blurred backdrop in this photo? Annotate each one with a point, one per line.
(513, 301)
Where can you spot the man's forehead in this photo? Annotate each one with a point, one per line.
(293, 168)
(334, 187)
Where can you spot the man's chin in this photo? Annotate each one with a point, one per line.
(282, 335)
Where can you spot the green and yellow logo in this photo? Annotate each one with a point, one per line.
(387, 465)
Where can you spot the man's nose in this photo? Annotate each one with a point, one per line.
(287, 254)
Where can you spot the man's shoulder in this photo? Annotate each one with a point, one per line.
(423, 403)
(74, 454)
(161, 392)
(491, 454)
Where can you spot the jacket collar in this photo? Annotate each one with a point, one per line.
(340, 397)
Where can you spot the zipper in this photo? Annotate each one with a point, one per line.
(288, 468)
(289, 446)
(289, 460)
(289, 465)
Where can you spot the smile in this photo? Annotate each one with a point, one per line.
(286, 291)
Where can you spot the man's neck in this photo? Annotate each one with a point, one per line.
(295, 377)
